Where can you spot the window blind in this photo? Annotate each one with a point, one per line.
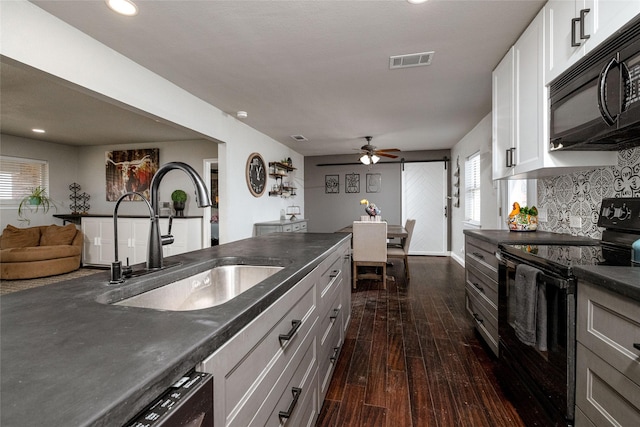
(472, 188)
(18, 176)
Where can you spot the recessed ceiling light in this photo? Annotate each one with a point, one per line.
(417, 1)
(242, 114)
(123, 7)
(38, 130)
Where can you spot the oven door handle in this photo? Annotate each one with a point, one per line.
(502, 260)
(542, 277)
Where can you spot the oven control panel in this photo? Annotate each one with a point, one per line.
(620, 213)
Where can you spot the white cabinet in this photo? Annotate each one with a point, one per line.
(133, 238)
(98, 246)
(598, 19)
(281, 226)
(608, 361)
(521, 115)
(270, 367)
(519, 100)
(187, 235)
(502, 117)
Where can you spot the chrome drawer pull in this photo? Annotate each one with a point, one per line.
(636, 346)
(334, 316)
(480, 288)
(334, 273)
(295, 324)
(478, 255)
(296, 391)
(336, 350)
(478, 319)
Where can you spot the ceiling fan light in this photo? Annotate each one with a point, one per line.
(375, 159)
(365, 159)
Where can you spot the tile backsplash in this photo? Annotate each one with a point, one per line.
(580, 194)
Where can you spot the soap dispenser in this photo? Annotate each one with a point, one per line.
(635, 253)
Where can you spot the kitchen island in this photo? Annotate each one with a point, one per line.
(70, 357)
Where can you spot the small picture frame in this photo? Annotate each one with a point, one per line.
(374, 183)
(352, 183)
(332, 184)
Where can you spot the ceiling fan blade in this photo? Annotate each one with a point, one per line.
(387, 149)
(378, 153)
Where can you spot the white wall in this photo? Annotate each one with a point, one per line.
(34, 37)
(478, 139)
(239, 209)
(62, 159)
(92, 178)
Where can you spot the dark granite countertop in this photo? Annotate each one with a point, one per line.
(68, 358)
(623, 280)
(531, 237)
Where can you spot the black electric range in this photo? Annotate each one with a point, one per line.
(541, 381)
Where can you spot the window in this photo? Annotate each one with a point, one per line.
(472, 188)
(18, 176)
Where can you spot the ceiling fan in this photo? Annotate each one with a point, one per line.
(371, 154)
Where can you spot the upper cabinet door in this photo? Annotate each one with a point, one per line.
(502, 117)
(574, 28)
(530, 98)
(561, 28)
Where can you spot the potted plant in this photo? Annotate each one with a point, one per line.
(179, 198)
(37, 198)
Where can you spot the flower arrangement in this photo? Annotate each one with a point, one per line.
(523, 218)
(370, 208)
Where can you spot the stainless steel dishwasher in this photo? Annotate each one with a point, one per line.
(188, 403)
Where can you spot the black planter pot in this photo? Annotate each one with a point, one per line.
(179, 208)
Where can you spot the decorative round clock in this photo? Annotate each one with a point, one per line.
(256, 174)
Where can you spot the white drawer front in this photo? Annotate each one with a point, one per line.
(609, 325)
(607, 397)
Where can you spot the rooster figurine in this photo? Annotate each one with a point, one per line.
(515, 211)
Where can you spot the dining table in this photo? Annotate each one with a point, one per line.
(393, 231)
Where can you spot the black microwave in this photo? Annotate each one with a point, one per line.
(595, 105)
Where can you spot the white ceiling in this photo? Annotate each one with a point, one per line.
(313, 68)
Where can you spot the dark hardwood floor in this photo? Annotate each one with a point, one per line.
(412, 359)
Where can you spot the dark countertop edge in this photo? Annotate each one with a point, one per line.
(80, 216)
(622, 280)
(533, 237)
(282, 221)
(129, 403)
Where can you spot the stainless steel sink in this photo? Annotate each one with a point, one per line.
(203, 290)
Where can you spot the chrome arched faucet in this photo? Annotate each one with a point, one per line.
(156, 240)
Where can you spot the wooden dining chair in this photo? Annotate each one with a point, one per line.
(403, 251)
(369, 250)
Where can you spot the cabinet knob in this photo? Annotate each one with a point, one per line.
(334, 316)
(480, 288)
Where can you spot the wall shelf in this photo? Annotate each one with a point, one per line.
(279, 171)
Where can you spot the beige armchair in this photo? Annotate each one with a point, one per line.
(403, 251)
(370, 250)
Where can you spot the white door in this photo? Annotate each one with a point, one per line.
(424, 195)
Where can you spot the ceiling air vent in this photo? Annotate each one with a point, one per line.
(299, 138)
(410, 60)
